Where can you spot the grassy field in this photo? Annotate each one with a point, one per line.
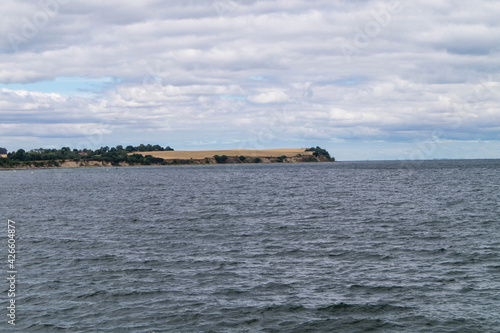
(201, 154)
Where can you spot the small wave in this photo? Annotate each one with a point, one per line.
(116, 294)
(93, 294)
(40, 327)
(100, 258)
(283, 308)
(361, 308)
(380, 289)
(348, 325)
(233, 292)
(493, 269)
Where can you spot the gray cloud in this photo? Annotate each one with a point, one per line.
(333, 70)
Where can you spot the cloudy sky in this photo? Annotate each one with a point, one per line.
(364, 79)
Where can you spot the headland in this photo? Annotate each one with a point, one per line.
(154, 155)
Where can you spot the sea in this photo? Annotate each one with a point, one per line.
(379, 246)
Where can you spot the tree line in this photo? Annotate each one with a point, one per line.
(52, 157)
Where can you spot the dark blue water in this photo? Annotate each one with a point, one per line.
(344, 247)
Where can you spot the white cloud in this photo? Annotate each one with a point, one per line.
(185, 69)
(269, 97)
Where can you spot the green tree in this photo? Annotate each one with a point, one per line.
(3, 151)
(319, 152)
(220, 159)
(19, 155)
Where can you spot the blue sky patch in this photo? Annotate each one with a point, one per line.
(66, 86)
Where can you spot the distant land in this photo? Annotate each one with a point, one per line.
(153, 155)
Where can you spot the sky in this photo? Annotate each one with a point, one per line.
(367, 80)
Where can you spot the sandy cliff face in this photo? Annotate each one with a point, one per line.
(233, 156)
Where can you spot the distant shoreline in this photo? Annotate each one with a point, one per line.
(196, 157)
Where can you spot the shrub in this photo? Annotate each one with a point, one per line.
(220, 159)
(281, 159)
